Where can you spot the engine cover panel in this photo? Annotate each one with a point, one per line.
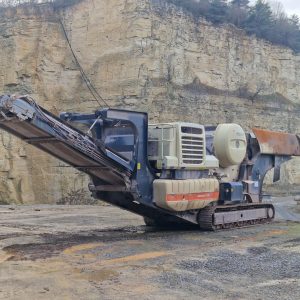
(183, 195)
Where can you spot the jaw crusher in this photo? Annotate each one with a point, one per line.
(169, 173)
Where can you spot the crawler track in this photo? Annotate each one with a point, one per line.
(231, 216)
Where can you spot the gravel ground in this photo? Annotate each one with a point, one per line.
(95, 252)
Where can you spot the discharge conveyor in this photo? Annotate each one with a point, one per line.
(22, 117)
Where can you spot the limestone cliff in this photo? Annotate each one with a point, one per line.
(142, 55)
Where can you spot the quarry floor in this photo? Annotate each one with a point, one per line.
(102, 252)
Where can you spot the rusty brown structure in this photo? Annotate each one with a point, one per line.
(277, 143)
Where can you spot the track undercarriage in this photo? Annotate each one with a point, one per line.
(232, 216)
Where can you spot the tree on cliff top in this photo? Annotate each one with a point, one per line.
(218, 11)
(240, 3)
(260, 20)
(238, 12)
(266, 21)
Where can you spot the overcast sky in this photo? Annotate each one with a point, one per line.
(290, 6)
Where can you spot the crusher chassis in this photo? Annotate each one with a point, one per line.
(114, 153)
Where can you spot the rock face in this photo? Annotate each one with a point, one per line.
(140, 55)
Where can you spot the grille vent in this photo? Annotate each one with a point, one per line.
(192, 149)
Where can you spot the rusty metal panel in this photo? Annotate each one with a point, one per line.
(279, 143)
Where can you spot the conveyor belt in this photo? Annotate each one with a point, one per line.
(26, 120)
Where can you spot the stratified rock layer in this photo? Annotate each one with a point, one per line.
(140, 55)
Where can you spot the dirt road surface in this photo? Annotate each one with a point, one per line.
(102, 252)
